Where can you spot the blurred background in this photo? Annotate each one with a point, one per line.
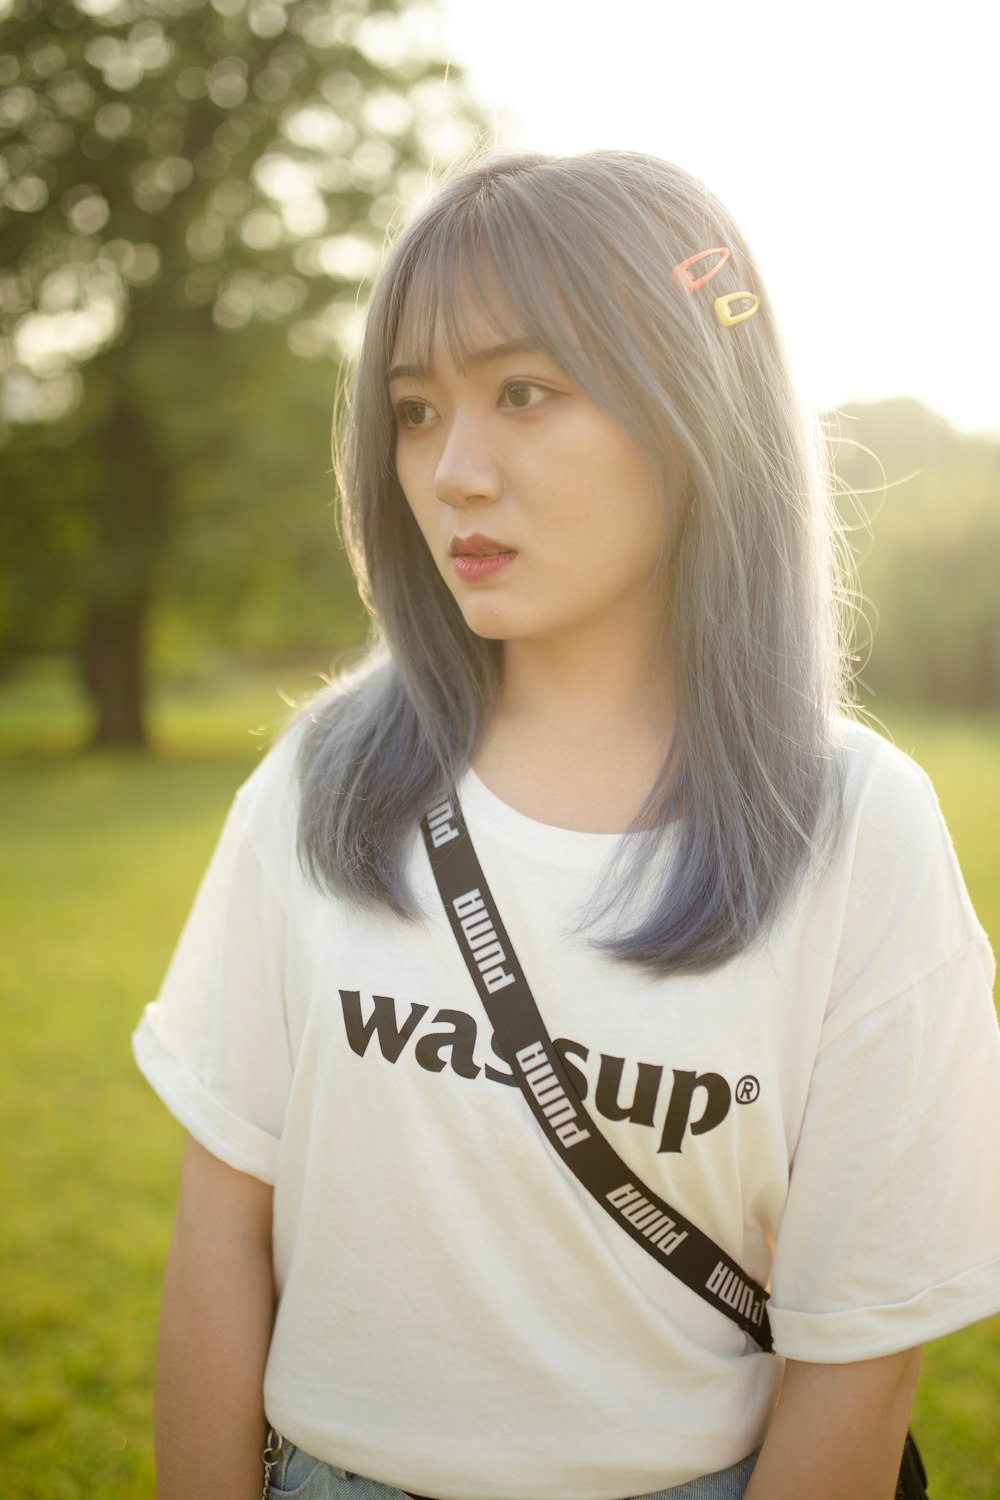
(194, 195)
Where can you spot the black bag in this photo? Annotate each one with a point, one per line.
(912, 1481)
(667, 1235)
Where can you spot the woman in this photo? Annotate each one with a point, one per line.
(595, 538)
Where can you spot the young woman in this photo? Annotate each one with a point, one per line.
(594, 534)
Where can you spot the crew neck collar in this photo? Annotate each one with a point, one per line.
(483, 806)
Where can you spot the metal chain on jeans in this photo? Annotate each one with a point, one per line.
(270, 1457)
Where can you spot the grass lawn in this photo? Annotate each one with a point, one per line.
(101, 857)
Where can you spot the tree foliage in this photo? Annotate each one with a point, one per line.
(191, 194)
(922, 504)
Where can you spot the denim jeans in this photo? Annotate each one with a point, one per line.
(296, 1474)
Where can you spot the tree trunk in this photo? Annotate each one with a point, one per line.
(112, 664)
(130, 513)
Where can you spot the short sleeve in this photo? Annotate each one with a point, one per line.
(891, 1230)
(214, 1042)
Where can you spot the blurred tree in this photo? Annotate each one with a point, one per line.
(190, 195)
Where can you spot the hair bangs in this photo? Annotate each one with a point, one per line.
(494, 272)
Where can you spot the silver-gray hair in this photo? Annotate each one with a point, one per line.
(583, 247)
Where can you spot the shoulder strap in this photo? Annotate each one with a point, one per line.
(667, 1235)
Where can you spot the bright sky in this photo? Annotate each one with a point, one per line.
(856, 142)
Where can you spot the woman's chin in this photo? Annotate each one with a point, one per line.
(492, 624)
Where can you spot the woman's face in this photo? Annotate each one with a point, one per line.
(539, 512)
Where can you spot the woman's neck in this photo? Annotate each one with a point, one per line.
(577, 737)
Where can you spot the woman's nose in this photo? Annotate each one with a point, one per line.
(467, 469)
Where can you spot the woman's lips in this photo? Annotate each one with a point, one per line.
(477, 556)
(471, 568)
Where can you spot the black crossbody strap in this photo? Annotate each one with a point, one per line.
(667, 1235)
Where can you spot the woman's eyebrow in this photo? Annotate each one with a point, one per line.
(474, 357)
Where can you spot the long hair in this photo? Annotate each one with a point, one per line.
(749, 788)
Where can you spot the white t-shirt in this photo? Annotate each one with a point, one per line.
(457, 1316)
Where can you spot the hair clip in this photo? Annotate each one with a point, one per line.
(724, 306)
(681, 274)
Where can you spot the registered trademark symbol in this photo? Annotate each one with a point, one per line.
(747, 1089)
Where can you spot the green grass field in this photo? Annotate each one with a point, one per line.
(102, 854)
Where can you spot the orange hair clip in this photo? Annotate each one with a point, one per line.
(683, 277)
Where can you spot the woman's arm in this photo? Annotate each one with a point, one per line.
(837, 1430)
(215, 1328)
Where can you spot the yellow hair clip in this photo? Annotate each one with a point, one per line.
(724, 308)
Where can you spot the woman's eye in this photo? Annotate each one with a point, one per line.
(413, 413)
(522, 393)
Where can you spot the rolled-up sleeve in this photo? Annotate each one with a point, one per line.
(891, 1230)
(214, 1044)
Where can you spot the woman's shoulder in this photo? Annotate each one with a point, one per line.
(266, 805)
(888, 797)
(275, 783)
(275, 775)
(901, 882)
(270, 800)
(870, 758)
